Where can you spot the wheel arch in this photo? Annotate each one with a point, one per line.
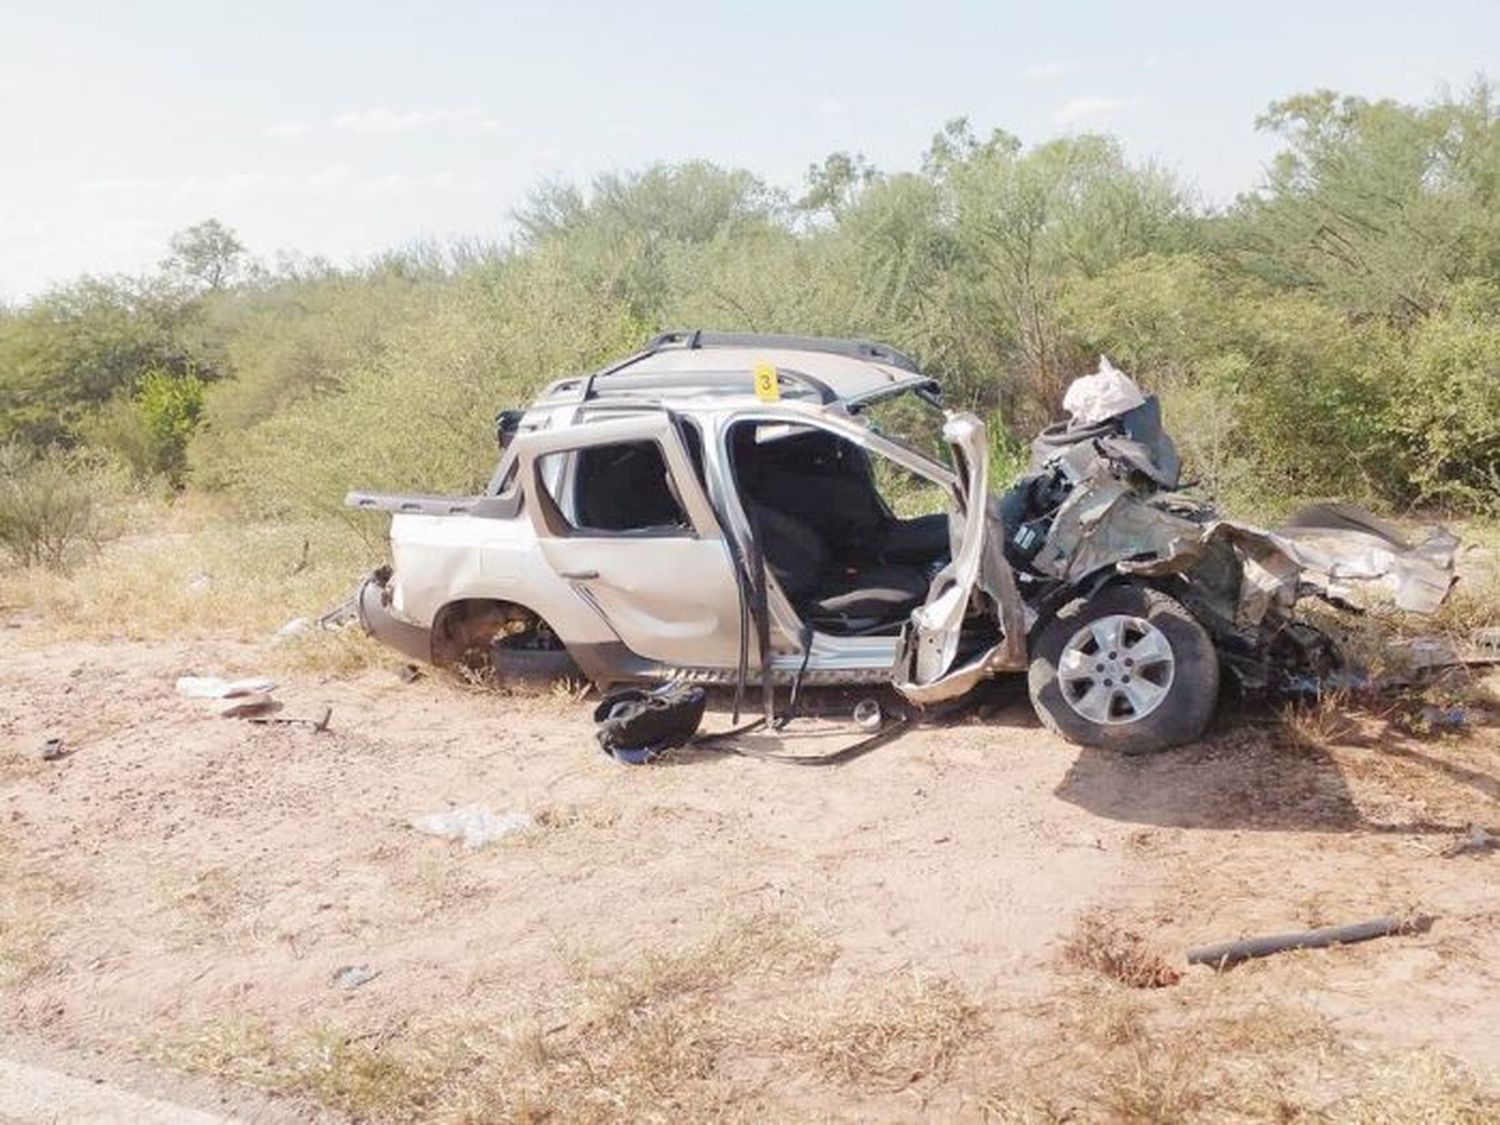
(462, 625)
(1086, 587)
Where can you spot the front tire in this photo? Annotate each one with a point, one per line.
(1128, 669)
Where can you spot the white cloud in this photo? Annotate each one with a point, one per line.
(1047, 71)
(118, 185)
(1092, 107)
(330, 180)
(398, 184)
(333, 181)
(235, 184)
(382, 120)
(288, 129)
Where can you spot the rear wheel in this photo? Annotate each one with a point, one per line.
(1128, 669)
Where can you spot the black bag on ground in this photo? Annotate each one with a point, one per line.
(637, 724)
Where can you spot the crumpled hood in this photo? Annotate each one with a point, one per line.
(1338, 551)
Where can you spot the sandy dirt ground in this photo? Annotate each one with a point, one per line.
(178, 878)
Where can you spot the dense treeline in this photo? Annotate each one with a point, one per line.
(1336, 331)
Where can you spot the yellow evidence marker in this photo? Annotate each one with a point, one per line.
(767, 389)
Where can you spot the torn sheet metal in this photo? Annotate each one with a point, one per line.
(1104, 522)
(1364, 558)
(1111, 506)
(1346, 565)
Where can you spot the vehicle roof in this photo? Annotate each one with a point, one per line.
(688, 364)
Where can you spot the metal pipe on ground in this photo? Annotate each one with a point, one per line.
(1230, 953)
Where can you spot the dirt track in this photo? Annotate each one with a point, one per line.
(181, 870)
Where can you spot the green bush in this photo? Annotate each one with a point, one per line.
(148, 430)
(418, 415)
(169, 406)
(54, 507)
(1447, 414)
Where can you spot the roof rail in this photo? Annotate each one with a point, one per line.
(721, 381)
(855, 349)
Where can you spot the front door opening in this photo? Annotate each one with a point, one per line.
(827, 521)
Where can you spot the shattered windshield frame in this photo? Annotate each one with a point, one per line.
(909, 414)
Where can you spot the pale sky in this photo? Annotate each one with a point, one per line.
(339, 128)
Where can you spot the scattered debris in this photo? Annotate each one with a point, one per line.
(1477, 842)
(408, 673)
(341, 615)
(318, 722)
(475, 825)
(52, 750)
(296, 627)
(214, 687)
(1444, 718)
(1427, 656)
(247, 706)
(352, 976)
(1230, 953)
(344, 614)
(867, 716)
(1486, 645)
(22, 617)
(247, 699)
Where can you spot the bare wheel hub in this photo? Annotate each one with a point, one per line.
(1116, 670)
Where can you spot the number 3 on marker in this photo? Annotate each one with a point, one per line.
(767, 389)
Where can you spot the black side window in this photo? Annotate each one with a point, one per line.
(614, 488)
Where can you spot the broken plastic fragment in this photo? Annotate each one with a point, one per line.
(247, 706)
(475, 825)
(352, 976)
(215, 687)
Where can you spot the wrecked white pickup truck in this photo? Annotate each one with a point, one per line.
(722, 508)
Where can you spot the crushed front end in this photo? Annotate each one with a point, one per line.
(1100, 503)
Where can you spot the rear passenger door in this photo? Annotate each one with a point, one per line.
(620, 515)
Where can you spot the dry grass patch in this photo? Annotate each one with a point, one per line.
(707, 1032)
(341, 652)
(192, 573)
(1421, 1088)
(1474, 602)
(1214, 1051)
(573, 818)
(1322, 723)
(361, 1075)
(33, 903)
(1101, 945)
(651, 1039)
(760, 946)
(201, 904)
(1134, 1058)
(26, 933)
(888, 1034)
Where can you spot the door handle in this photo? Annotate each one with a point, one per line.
(578, 575)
